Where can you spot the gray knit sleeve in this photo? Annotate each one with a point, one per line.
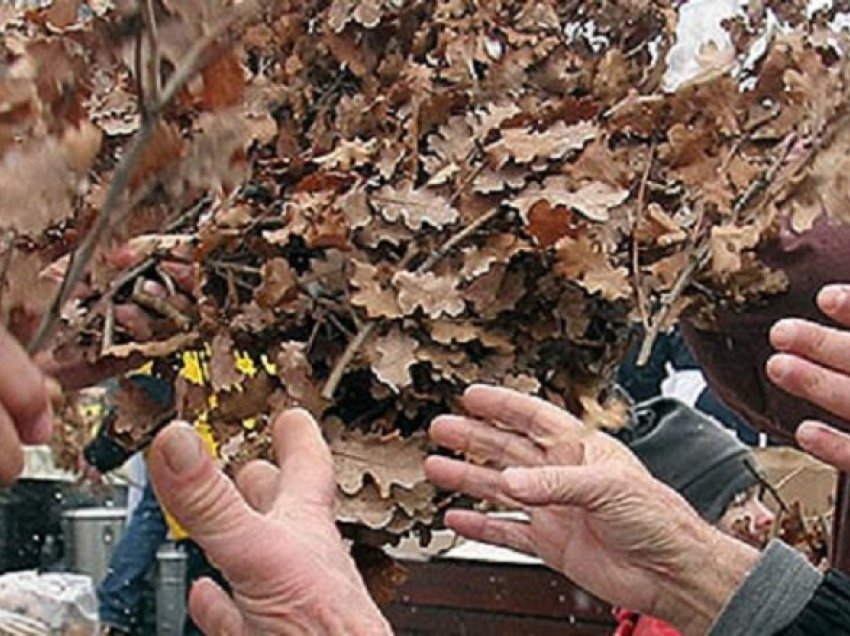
(771, 596)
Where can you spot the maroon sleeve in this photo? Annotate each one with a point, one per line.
(733, 357)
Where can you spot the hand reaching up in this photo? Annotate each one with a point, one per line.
(272, 534)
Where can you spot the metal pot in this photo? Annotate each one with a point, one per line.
(90, 537)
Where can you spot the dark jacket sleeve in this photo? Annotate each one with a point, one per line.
(828, 611)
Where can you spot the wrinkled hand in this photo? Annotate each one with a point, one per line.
(598, 516)
(813, 362)
(25, 412)
(272, 534)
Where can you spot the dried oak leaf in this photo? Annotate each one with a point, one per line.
(436, 295)
(223, 82)
(279, 284)
(524, 146)
(593, 200)
(364, 12)
(395, 355)
(296, 374)
(396, 461)
(728, 243)
(40, 180)
(367, 508)
(585, 262)
(223, 372)
(500, 248)
(369, 294)
(248, 399)
(416, 206)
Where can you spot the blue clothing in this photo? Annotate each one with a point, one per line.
(643, 383)
(120, 594)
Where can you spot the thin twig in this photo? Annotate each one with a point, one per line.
(152, 67)
(108, 328)
(642, 301)
(458, 238)
(366, 330)
(159, 305)
(194, 60)
(702, 253)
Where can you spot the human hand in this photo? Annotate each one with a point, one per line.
(598, 516)
(272, 535)
(813, 362)
(26, 415)
(89, 473)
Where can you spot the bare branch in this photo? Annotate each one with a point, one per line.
(195, 59)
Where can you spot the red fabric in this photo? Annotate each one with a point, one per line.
(633, 624)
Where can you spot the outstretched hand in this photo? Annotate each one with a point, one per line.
(272, 535)
(595, 512)
(813, 363)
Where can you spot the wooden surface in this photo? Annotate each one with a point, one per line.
(475, 597)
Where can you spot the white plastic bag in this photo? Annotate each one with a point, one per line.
(33, 604)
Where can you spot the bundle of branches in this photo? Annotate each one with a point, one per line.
(374, 203)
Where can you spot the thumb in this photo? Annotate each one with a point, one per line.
(198, 495)
(561, 485)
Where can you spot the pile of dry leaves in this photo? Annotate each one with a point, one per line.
(381, 201)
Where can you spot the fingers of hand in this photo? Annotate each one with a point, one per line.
(214, 611)
(259, 483)
(560, 485)
(477, 526)
(306, 467)
(483, 440)
(199, 496)
(825, 443)
(826, 388)
(817, 343)
(472, 480)
(182, 273)
(11, 453)
(834, 301)
(519, 412)
(23, 392)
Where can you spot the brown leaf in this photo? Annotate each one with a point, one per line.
(395, 355)
(524, 146)
(584, 262)
(378, 301)
(397, 461)
(224, 82)
(436, 295)
(223, 372)
(279, 284)
(593, 201)
(296, 374)
(727, 245)
(415, 206)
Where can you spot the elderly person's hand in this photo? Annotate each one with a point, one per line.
(275, 541)
(599, 517)
(25, 412)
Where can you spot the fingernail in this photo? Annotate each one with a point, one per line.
(182, 448)
(831, 299)
(778, 367)
(152, 289)
(782, 334)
